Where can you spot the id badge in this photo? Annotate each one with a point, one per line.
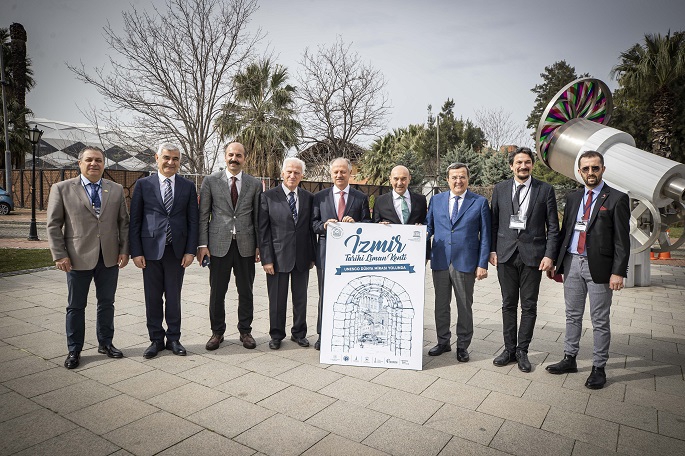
(517, 222)
(581, 225)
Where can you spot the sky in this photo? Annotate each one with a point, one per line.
(486, 55)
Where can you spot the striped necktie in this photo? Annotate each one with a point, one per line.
(293, 207)
(168, 202)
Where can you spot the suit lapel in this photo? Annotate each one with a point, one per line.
(106, 187)
(534, 190)
(331, 202)
(465, 205)
(154, 181)
(226, 189)
(598, 203)
(83, 195)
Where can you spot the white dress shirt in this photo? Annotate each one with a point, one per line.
(397, 202)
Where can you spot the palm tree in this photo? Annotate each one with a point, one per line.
(262, 117)
(653, 69)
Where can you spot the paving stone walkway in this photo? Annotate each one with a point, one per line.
(244, 402)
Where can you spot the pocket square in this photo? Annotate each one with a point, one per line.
(602, 208)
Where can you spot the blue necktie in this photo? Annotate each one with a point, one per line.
(95, 196)
(455, 210)
(168, 202)
(293, 207)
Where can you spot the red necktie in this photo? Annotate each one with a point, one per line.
(341, 206)
(586, 217)
(234, 191)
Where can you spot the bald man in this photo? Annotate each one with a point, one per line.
(400, 205)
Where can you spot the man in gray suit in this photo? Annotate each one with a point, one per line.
(287, 249)
(525, 226)
(229, 207)
(87, 225)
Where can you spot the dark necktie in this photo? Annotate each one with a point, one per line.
(455, 210)
(341, 206)
(586, 216)
(95, 197)
(293, 207)
(517, 199)
(234, 191)
(168, 203)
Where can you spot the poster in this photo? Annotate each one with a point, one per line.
(373, 295)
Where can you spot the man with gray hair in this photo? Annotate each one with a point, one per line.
(163, 235)
(341, 203)
(286, 245)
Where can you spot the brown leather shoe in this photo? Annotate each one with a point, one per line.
(247, 340)
(214, 341)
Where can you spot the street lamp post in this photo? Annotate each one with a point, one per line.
(34, 138)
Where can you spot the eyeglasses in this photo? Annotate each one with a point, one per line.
(585, 169)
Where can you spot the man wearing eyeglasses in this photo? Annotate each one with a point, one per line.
(459, 222)
(593, 259)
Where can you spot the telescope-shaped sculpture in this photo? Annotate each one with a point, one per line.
(574, 122)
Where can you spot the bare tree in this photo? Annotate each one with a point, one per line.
(342, 98)
(500, 130)
(172, 71)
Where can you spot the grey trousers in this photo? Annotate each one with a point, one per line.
(462, 284)
(578, 285)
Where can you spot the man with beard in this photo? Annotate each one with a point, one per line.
(229, 208)
(525, 227)
(593, 258)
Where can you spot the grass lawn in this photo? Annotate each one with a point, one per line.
(19, 259)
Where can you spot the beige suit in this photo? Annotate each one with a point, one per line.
(75, 231)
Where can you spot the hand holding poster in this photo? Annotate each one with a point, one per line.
(373, 295)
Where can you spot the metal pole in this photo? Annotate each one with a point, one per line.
(33, 229)
(8, 154)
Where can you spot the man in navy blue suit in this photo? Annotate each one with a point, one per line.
(459, 222)
(163, 237)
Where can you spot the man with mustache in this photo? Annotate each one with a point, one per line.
(525, 227)
(229, 208)
(593, 258)
(88, 235)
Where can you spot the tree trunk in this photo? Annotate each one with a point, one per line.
(17, 91)
(662, 123)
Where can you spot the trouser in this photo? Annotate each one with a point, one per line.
(277, 287)
(163, 278)
(578, 285)
(518, 281)
(462, 283)
(219, 275)
(78, 285)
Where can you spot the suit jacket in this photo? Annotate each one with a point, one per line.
(466, 243)
(147, 231)
(384, 209)
(218, 216)
(75, 230)
(540, 237)
(323, 209)
(282, 242)
(607, 242)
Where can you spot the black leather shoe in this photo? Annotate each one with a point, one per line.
(155, 347)
(504, 358)
(522, 358)
(275, 344)
(317, 344)
(73, 359)
(568, 364)
(176, 347)
(110, 350)
(439, 349)
(302, 342)
(462, 355)
(597, 378)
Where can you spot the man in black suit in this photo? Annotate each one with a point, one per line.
(593, 258)
(525, 227)
(163, 240)
(400, 206)
(340, 203)
(286, 245)
(229, 209)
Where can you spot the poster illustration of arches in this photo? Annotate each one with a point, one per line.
(374, 295)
